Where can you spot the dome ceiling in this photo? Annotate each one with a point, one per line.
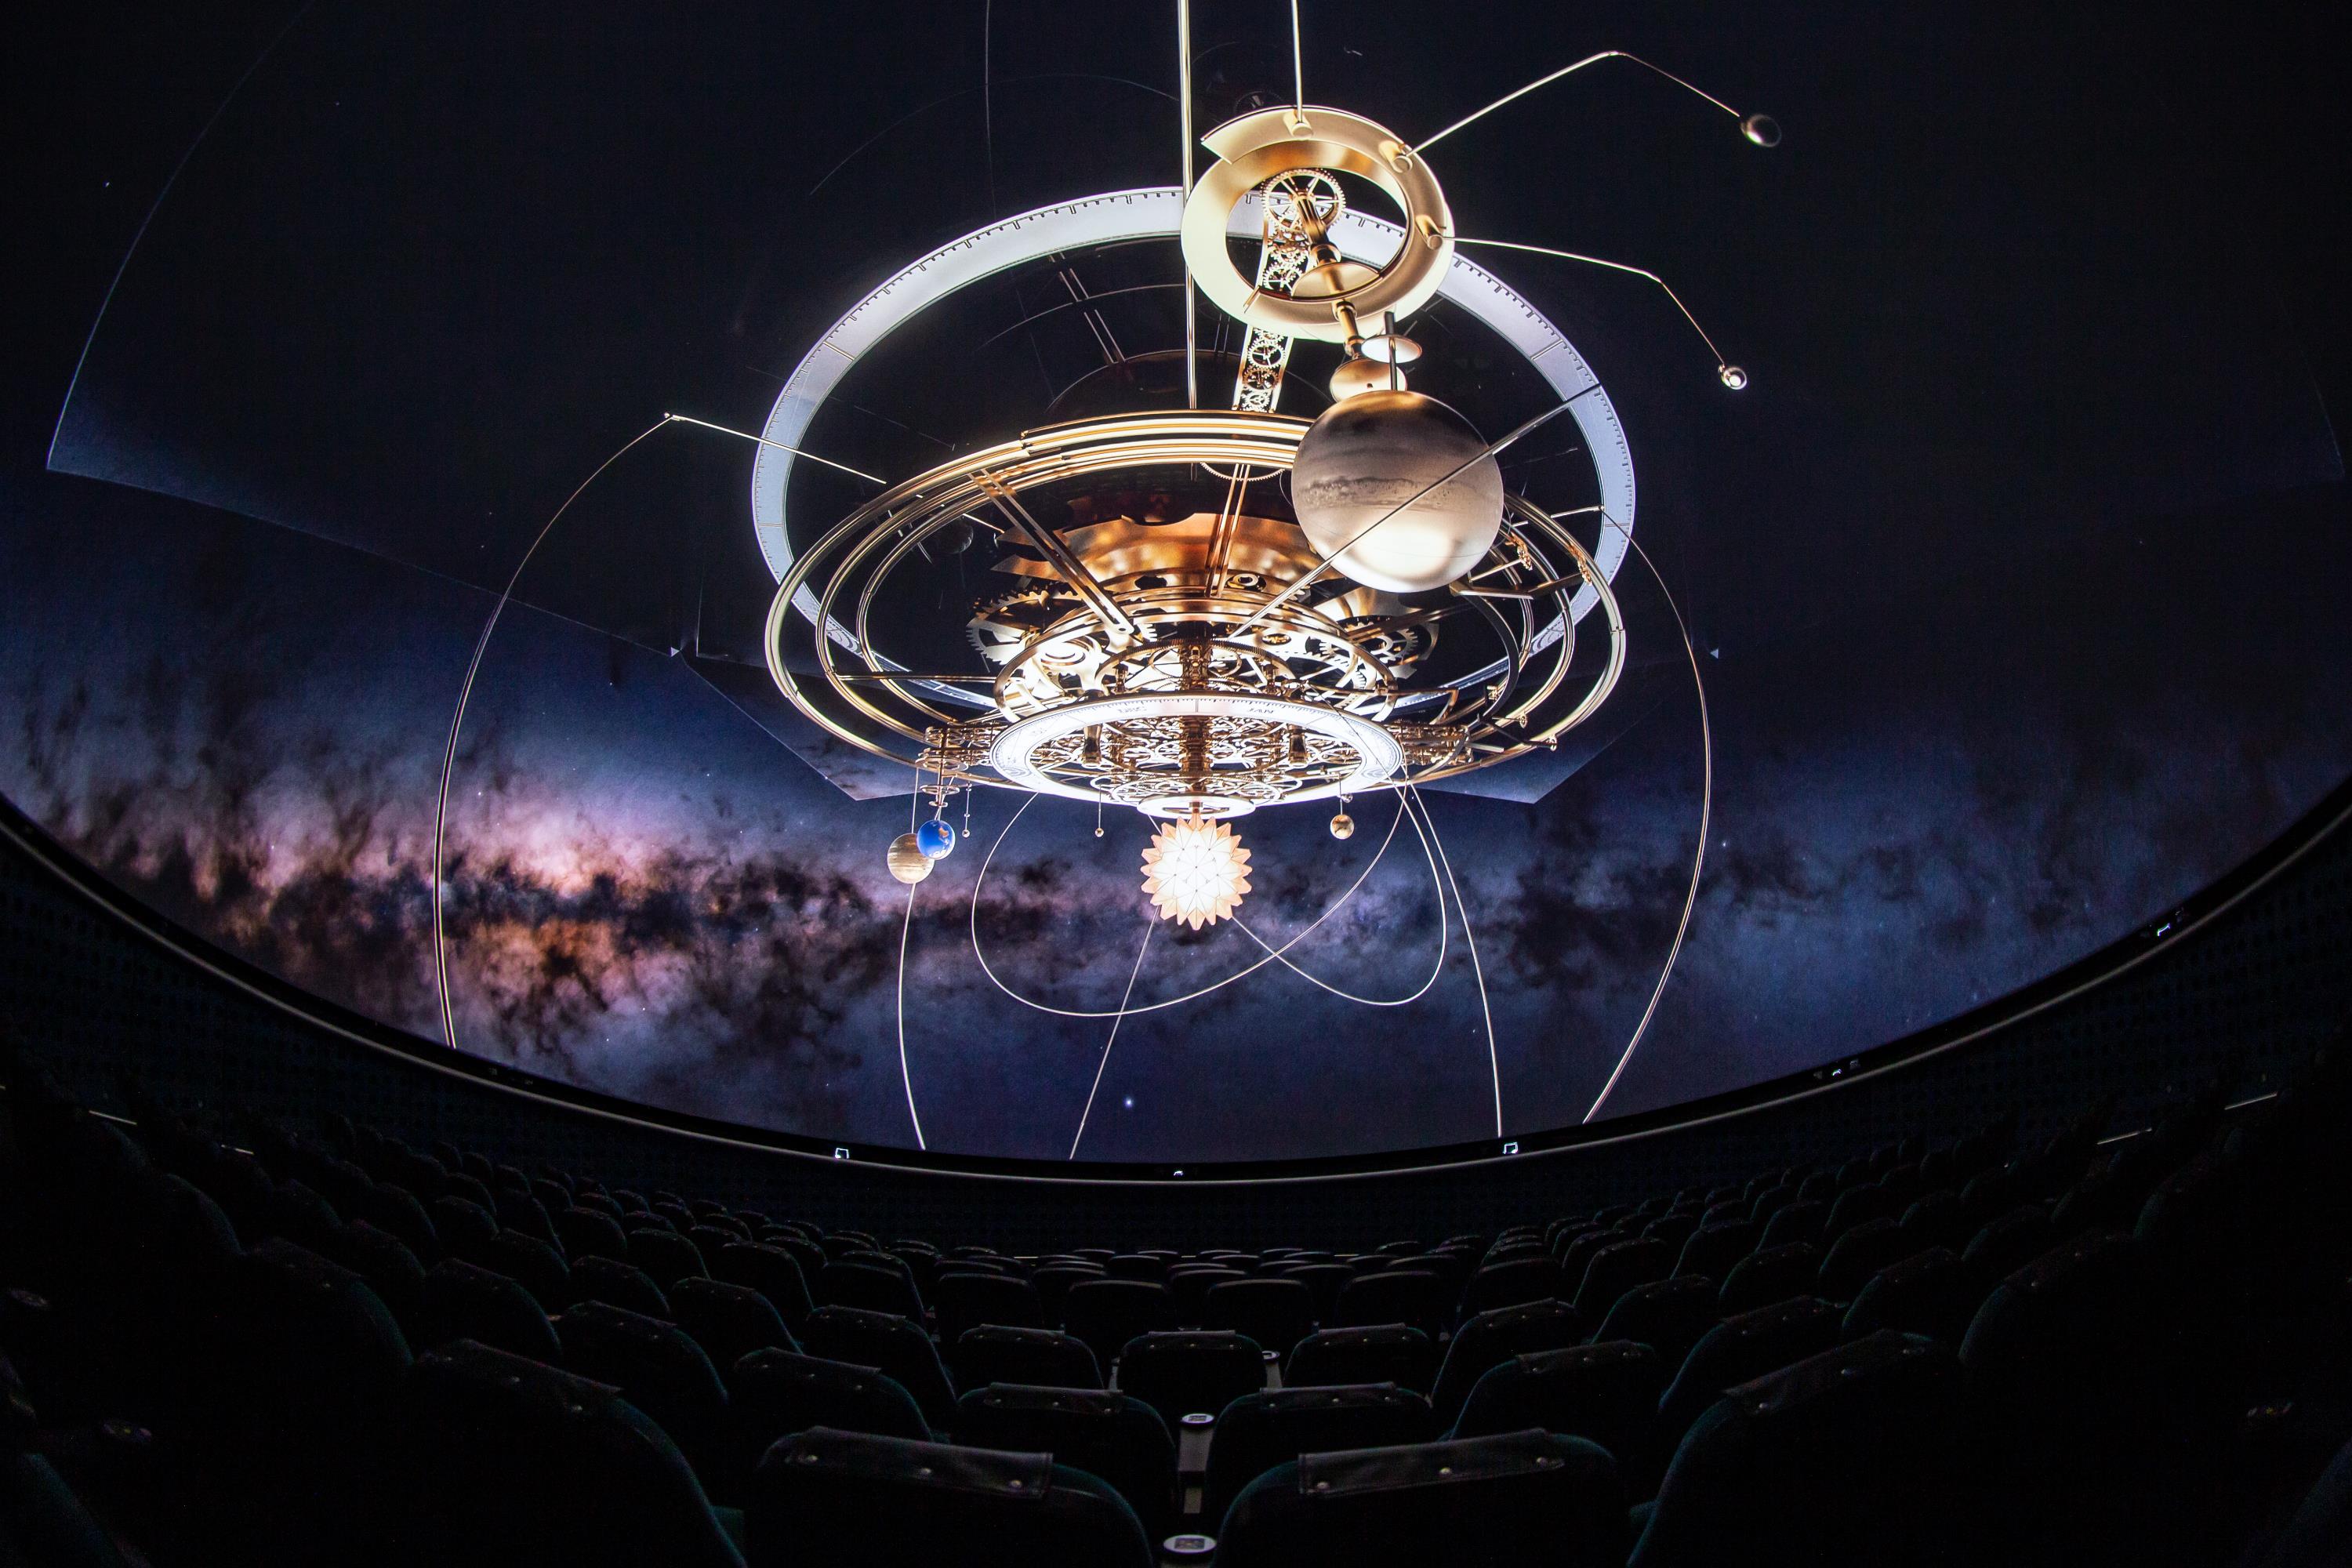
(2013, 575)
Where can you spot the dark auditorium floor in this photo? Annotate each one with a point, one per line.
(228, 1340)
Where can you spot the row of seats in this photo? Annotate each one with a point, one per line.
(1891, 1341)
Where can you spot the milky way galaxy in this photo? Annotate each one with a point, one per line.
(650, 899)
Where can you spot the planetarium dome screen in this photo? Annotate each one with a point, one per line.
(1000, 584)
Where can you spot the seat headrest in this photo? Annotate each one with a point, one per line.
(1354, 1471)
(1087, 1402)
(1608, 1353)
(826, 1450)
(1816, 1376)
(1282, 1401)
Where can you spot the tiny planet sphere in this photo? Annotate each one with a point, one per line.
(1343, 826)
(907, 861)
(935, 839)
(1377, 493)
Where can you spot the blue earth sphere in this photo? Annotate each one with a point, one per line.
(935, 839)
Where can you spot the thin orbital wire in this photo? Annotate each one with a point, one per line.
(1477, 970)
(1706, 813)
(981, 881)
(1112, 1038)
(163, 195)
(905, 1077)
(458, 721)
(1443, 921)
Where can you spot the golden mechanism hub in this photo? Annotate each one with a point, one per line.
(1186, 585)
(1178, 666)
(1200, 662)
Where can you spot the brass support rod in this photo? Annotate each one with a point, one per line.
(1049, 544)
(1184, 134)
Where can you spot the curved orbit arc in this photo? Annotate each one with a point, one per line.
(457, 721)
(981, 881)
(1281, 954)
(1705, 815)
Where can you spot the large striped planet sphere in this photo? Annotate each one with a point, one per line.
(1376, 492)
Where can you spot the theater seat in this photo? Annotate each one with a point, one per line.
(1512, 1499)
(44, 1525)
(773, 1272)
(1406, 1293)
(2059, 1360)
(1273, 1312)
(829, 1497)
(1106, 1314)
(1667, 1315)
(464, 1226)
(1848, 1457)
(965, 1298)
(728, 1321)
(1274, 1426)
(665, 1255)
(1605, 1393)
(803, 1247)
(520, 1212)
(1491, 1338)
(1771, 1274)
(532, 1263)
(658, 1367)
(1190, 1372)
(510, 1461)
(1855, 1206)
(1801, 1221)
(895, 1344)
(1929, 1292)
(2008, 1243)
(994, 1353)
(1857, 1254)
(306, 1373)
(1736, 1351)
(1617, 1268)
(1375, 1352)
(617, 1284)
(397, 1210)
(463, 1301)
(1712, 1249)
(1190, 1284)
(591, 1233)
(1508, 1284)
(299, 1215)
(391, 1269)
(1935, 1219)
(845, 1283)
(1575, 1248)
(773, 1393)
(1324, 1281)
(1116, 1438)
